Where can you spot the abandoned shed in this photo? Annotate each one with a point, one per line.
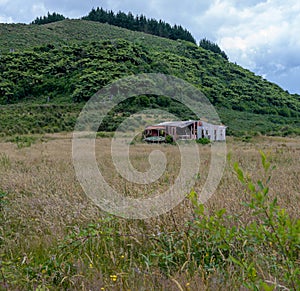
(185, 130)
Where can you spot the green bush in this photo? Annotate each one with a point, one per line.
(169, 139)
(203, 140)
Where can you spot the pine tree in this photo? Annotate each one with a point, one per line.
(49, 18)
(209, 45)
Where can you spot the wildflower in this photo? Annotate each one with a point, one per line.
(187, 284)
(113, 277)
(122, 257)
(91, 266)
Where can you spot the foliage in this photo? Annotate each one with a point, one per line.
(209, 45)
(49, 18)
(23, 141)
(56, 73)
(36, 119)
(203, 140)
(273, 229)
(169, 139)
(140, 23)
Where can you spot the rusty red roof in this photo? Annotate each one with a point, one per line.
(155, 127)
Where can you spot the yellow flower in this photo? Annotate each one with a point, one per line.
(91, 265)
(102, 288)
(187, 284)
(113, 277)
(122, 257)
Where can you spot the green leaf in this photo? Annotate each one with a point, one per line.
(266, 191)
(237, 262)
(267, 287)
(260, 184)
(200, 209)
(239, 172)
(264, 161)
(251, 187)
(221, 212)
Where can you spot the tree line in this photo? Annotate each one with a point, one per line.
(209, 45)
(140, 23)
(53, 17)
(137, 23)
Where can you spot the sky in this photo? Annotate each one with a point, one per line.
(262, 36)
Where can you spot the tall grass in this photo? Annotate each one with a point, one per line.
(245, 236)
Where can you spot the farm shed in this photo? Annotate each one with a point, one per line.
(211, 131)
(185, 130)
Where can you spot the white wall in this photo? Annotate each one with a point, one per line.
(211, 131)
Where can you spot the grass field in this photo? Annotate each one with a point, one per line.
(53, 238)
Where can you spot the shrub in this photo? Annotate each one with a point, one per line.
(203, 140)
(169, 139)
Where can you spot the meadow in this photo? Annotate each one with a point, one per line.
(246, 236)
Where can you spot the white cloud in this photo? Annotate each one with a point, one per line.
(261, 36)
(5, 19)
(38, 9)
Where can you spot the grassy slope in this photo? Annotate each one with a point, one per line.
(226, 84)
(21, 36)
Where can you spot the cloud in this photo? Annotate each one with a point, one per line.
(39, 9)
(263, 37)
(6, 19)
(289, 78)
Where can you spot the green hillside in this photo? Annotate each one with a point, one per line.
(66, 62)
(23, 36)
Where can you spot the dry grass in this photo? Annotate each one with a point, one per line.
(45, 200)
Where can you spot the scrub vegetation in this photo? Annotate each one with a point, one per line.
(56, 67)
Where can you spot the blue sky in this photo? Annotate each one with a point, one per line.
(262, 36)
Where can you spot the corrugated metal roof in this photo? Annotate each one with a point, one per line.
(180, 124)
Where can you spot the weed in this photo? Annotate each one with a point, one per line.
(5, 162)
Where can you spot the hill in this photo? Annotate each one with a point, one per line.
(23, 36)
(69, 60)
